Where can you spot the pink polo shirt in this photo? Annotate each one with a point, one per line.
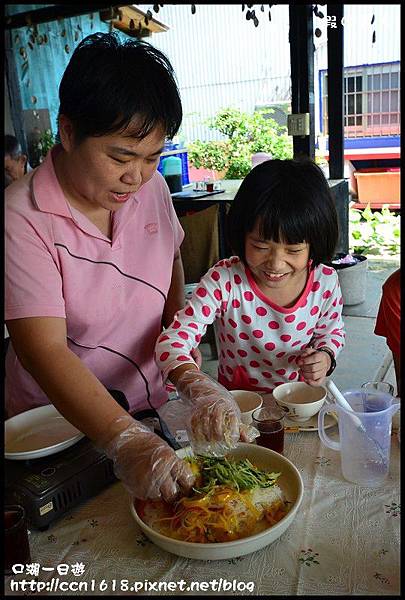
(111, 292)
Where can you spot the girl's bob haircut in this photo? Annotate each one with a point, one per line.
(291, 202)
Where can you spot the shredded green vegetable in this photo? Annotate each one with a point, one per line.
(241, 475)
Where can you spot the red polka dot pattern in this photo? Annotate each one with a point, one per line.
(327, 271)
(285, 337)
(292, 375)
(193, 325)
(206, 311)
(230, 338)
(176, 324)
(289, 318)
(270, 346)
(314, 310)
(327, 294)
(315, 286)
(280, 354)
(266, 374)
(254, 364)
(164, 356)
(232, 323)
(183, 358)
(237, 279)
(248, 296)
(228, 286)
(255, 349)
(258, 333)
(218, 294)
(261, 311)
(301, 325)
(215, 276)
(246, 319)
(183, 334)
(163, 338)
(177, 345)
(189, 311)
(235, 303)
(201, 292)
(242, 353)
(274, 325)
(243, 336)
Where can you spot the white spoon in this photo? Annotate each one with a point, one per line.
(340, 399)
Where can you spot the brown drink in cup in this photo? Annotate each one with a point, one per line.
(17, 549)
(269, 421)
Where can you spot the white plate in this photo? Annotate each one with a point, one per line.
(311, 424)
(38, 432)
(290, 482)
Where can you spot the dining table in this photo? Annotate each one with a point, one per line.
(343, 541)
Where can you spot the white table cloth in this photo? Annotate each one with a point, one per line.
(344, 541)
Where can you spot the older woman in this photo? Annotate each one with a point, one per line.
(93, 267)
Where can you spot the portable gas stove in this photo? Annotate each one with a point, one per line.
(49, 487)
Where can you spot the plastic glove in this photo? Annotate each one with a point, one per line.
(146, 464)
(214, 424)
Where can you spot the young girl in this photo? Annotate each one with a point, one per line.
(276, 306)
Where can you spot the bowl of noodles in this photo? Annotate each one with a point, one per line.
(239, 503)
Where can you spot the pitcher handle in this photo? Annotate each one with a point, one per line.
(325, 439)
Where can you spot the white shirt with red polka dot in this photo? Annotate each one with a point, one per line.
(259, 341)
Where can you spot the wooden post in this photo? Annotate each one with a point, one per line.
(335, 91)
(302, 73)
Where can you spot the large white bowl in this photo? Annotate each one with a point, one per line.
(290, 482)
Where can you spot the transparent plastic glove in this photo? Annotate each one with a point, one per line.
(213, 422)
(145, 464)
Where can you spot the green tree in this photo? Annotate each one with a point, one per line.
(246, 134)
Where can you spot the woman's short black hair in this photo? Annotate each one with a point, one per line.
(109, 82)
(291, 202)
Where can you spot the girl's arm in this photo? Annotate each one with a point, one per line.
(175, 345)
(329, 330)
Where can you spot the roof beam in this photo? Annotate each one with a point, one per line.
(54, 13)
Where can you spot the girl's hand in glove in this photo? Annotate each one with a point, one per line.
(214, 424)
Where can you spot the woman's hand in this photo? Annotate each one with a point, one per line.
(314, 365)
(145, 464)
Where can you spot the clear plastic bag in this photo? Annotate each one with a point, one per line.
(205, 415)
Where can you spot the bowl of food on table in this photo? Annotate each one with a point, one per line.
(239, 503)
(300, 400)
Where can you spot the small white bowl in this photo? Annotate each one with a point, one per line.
(248, 402)
(303, 401)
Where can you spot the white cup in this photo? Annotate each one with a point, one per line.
(303, 401)
(248, 402)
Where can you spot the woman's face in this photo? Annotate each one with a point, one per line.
(105, 170)
(275, 265)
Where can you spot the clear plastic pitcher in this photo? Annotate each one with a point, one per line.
(364, 435)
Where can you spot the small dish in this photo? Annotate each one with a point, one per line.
(310, 425)
(38, 432)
